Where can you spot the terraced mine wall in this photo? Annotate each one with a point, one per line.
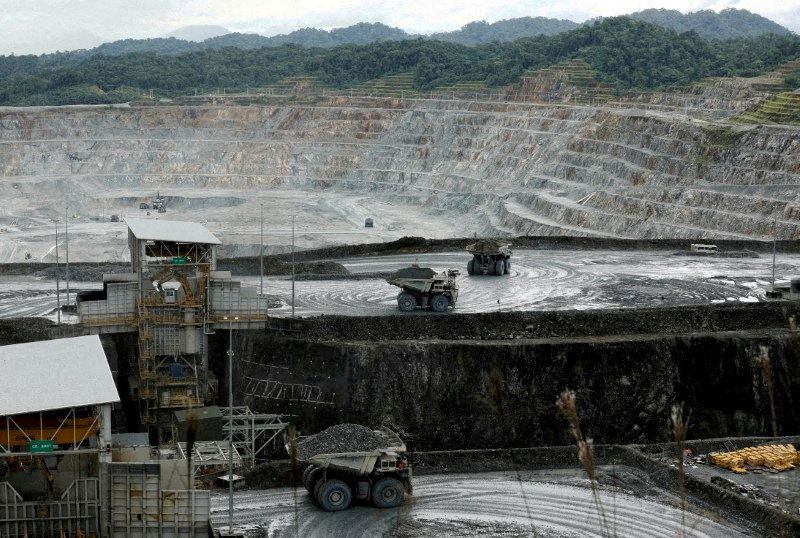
(278, 263)
(408, 245)
(481, 381)
(484, 167)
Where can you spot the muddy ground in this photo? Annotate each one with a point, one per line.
(544, 280)
(539, 280)
(543, 503)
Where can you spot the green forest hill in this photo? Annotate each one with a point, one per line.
(625, 53)
(726, 24)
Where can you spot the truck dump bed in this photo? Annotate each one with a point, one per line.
(489, 246)
(416, 278)
(359, 462)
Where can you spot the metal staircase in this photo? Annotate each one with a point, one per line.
(147, 366)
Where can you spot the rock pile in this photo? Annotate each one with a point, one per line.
(82, 273)
(415, 272)
(340, 438)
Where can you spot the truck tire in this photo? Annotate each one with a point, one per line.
(388, 492)
(307, 470)
(471, 266)
(439, 303)
(406, 302)
(508, 267)
(334, 495)
(499, 267)
(317, 486)
(310, 479)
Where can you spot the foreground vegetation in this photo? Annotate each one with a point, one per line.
(625, 53)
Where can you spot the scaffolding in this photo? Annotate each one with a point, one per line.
(75, 513)
(173, 299)
(147, 386)
(209, 454)
(273, 389)
(168, 374)
(252, 432)
(65, 429)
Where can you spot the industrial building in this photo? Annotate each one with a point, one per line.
(55, 416)
(58, 474)
(173, 298)
(62, 471)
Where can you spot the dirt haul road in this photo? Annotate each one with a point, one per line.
(542, 503)
(539, 280)
(547, 280)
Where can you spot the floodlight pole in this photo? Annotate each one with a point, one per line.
(230, 427)
(292, 266)
(261, 252)
(774, 250)
(66, 248)
(58, 286)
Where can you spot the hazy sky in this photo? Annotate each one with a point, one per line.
(36, 26)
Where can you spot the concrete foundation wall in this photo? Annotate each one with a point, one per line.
(120, 301)
(227, 298)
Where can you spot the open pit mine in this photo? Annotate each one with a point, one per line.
(417, 167)
(226, 291)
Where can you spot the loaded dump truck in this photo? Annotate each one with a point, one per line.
(489, 257)
(380, 472)
(422, 287)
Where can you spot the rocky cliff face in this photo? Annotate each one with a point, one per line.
(458, 392)
(480, 167)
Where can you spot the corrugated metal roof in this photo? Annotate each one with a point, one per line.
(54, 374)
(177, 231)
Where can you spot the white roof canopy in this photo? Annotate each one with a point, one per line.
(174, 231)
(54, 374)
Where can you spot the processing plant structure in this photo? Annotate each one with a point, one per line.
(173, 298)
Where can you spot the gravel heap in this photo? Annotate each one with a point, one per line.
(340, 438)
(415, 272)
(82, 273)
(488, 246)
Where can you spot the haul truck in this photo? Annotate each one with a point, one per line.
(489, 257)
(382, 476)
(423, 287)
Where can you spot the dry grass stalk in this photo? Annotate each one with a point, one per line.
(679, 427)
(765, 363)
(291, 439)
(567, 404)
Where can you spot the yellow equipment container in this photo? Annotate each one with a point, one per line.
(778, 457)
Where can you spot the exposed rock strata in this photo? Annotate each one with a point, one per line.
(493, 168)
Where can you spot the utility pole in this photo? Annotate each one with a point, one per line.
(66, 248)
(261, 251)
(292, 266)
(58, 286)
(774, 249)
(230, 425)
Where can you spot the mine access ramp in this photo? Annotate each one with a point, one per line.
(381, 474)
